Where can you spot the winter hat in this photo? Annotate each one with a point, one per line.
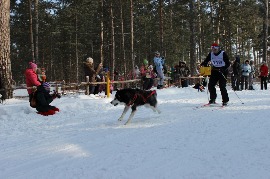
(145, 62)
(247, 61)
(32, 65)
(215, 46)
(90, 60)
(263, 62)
(157, 53)
(46, 85)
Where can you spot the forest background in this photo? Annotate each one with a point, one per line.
(60, 34)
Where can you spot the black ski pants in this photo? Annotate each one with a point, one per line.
(221, 79)
(264, 82)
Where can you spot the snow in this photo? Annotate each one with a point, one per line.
(85, 140)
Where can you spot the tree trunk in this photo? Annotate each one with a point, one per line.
(132, 37)
(76, 43)
(31, 31)
(265, 31)
(5, 65)
(101, 33)
(161, 33)
(123, 40)
(36, 30)
(113, 42)
(192, 38)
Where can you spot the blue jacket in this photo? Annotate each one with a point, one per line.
(159, 62)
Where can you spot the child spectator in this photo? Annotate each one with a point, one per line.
(41, 75)
(43, 100)
(148, 78)
(31, 79)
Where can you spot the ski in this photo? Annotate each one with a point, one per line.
(212, 105)
(217, 105)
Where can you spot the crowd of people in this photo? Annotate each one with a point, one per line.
(242, 75)
(215, 69)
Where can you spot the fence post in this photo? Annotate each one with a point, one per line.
(108, 84)
(87, 85)
(63, 87)
(56, 87)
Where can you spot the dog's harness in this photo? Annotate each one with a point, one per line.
(144, 99)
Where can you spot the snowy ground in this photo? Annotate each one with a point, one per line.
(85, 140)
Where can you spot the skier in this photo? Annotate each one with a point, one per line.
(220, 64)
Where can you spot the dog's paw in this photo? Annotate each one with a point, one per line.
(158, 111)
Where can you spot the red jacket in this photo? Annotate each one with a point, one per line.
(264, 70)
(31, 79)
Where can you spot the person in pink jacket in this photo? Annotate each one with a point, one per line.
(31, 79)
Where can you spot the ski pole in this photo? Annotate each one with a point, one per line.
(207, 81)
(238, 97)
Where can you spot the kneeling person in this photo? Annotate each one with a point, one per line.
(43, 100)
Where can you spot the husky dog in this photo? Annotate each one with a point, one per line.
(134, 98)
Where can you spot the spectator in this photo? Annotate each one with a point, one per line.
(246, 69)
(159, 62)
(148, 79)
(136, 72)
(91, 72)
(43, 100)
(41, 75)
(237, 70)
(220, 64)
(251, 75)
(31, 80)
(183, 72)
(263, 75)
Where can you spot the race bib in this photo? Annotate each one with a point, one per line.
(217, 61)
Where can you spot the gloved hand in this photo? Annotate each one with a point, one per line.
(247, 71)
(56, 95)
